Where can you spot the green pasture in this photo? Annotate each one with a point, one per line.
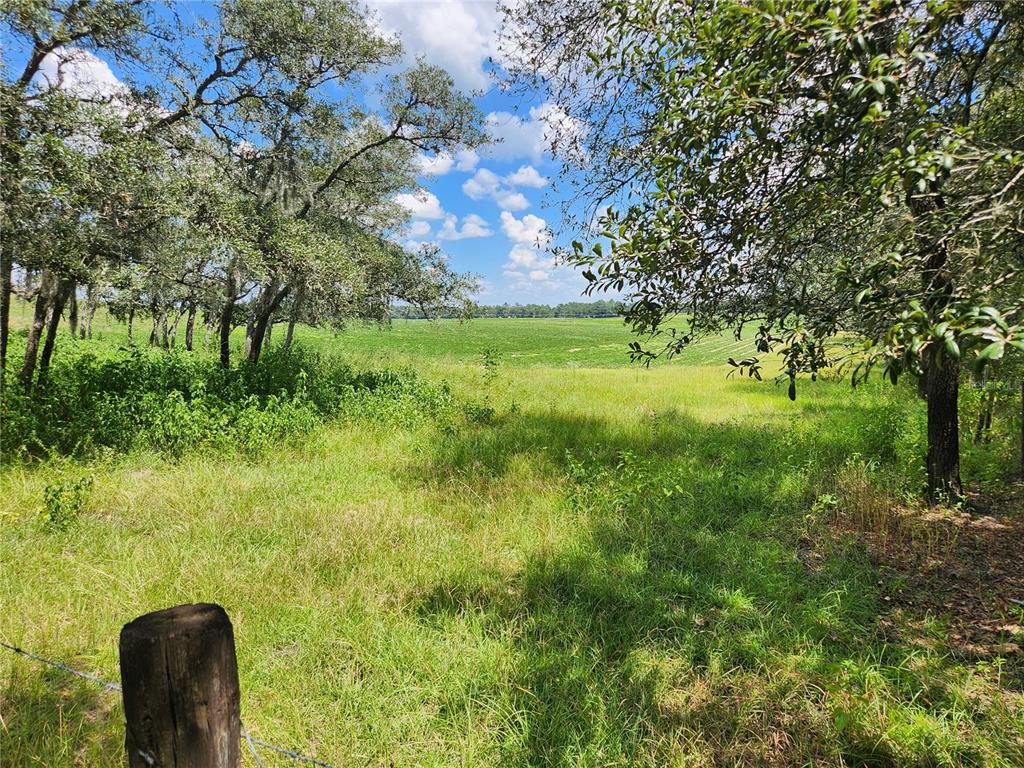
(572, 562)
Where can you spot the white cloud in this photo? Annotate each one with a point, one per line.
(458, 36)
(484, 183)
(547, 125)
(466, 160)
(422, 204)
(509, 200)
(528, 261)
(80, 73)
(472, 226)
(527, 176)
(530, 230)
(419, 229)
(438, 165)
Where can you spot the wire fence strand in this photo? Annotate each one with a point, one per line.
(112, 686)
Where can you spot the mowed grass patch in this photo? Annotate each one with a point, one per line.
(606, 567)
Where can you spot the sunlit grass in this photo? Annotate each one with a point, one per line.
(595, 566)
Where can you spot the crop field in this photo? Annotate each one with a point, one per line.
(526, 553)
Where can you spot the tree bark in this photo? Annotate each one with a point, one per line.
(131, 322)
(190, 324)
(64, 290)
(943, 460)
(85, 328)
(73, 311)
(984, 426)
(6, 271)
(40, 318)
(174, 326)
(262, 314)
(942, 372)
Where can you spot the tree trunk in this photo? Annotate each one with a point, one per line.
(40, 318)
(262, 314)
(984, 430)
(250, 329)
(943, 461)
(6, 270)
(173, 336)
(1022, 428)
(227, 314)
(64, 289)
(164, 341)
(85, 331)
(73, 311)
(190, 325)
(131, 321)
(225, 332)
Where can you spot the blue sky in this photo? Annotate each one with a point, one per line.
(489, 210)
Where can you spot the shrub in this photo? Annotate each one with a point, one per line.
(62, 502)
(97, 398)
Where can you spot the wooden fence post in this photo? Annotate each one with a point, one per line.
(180, 685)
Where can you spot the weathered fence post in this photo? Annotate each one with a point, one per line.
(180, 684)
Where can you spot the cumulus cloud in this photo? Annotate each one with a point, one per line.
(466, 160)
(459, 37)
(419, 229)
(80, 73)
(510, 200)
(484, 183)
(547, 126)
(501, 189)
(528, 261)
(438, 165)
(421, 204)
(472, 226)
(530, 230)
(527, 176)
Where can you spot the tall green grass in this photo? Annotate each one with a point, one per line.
(559, 565)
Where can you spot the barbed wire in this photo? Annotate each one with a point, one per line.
(61, 665)
(112, 686)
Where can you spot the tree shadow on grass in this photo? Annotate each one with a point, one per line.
(52, 718)
(681, 623)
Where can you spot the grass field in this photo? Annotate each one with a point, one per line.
(593, 565)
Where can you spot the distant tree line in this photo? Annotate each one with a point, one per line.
(600, 308)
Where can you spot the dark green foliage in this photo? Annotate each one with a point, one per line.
(118, 400)
(63, 501)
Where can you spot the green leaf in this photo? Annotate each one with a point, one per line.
(952, 348)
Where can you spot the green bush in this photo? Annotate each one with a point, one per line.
(98, 399)
(63, 502)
